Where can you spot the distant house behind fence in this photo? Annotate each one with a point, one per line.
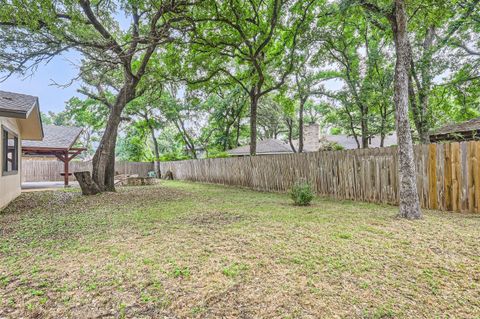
(313, 141)
(465, 131)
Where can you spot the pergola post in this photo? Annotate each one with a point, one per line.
(65, 158)
(65, 168)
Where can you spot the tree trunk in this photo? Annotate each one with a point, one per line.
(253, 123)
(103, 162)
(303, 100)
(104, 159)
(409, 201)
(237, 137)
(426, 84)
(86, 183)
(364, 128)
(383, 122)
(290, 134)
(226, 138)
(157, 153)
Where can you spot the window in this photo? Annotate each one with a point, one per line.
(9, 152)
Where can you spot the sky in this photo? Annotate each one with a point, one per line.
(60, 70)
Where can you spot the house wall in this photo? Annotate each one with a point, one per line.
(10, 185)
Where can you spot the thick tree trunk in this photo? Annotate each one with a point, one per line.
(103, 162)
(253, 123)
(86, 183)
(104, 158)
(409, 201)
(303, 100)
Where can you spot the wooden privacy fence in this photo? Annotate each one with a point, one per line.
(42, 171)
(448, 175)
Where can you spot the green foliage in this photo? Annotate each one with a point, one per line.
(332, 146)
(302, 193)
(131, 147)
(168, 157)
(335, 131)
(334, 59)
(217, 154)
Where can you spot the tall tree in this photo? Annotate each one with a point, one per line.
(435, 28)
(359, 54)
(34, 31)
(397, 16)
(250, 43)
(228, 109)
(146, 109)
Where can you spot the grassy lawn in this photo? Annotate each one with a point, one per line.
(181, 250)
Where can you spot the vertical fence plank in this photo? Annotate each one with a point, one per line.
(448, 175)
(44, 171)
(432, 177)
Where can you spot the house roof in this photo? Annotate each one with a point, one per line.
(16, 105)
(269, 146)
(56, 137)
(348, 142)
(468, 126)
(273, 146)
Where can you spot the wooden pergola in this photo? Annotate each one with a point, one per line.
(58, 141)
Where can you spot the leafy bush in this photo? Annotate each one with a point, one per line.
(302, 193)
(173, 156)
(217, 154)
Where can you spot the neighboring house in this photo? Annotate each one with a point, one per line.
(19, 119)
(199, 151)
(349, 143)
(264, 147)
(466, 131)
(312, 142)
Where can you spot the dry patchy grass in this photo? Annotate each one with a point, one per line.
(183, 250)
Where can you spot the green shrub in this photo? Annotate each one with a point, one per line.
(302, 193)
(217, 154)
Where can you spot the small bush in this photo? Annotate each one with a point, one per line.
(302, 193)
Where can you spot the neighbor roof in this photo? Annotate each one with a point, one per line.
(348, 142)
(16, 105)
(56, 137)
(468, 126)
(269, 146)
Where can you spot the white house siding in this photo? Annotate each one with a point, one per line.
(10, 185)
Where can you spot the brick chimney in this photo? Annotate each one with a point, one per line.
(311, 137)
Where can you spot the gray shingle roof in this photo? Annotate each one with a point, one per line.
(471, 125)
(273, 146)
(61, 137)
(349, 143)
(270, 146)
(15, 104)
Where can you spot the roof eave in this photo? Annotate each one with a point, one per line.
(13, 114)
(76, 138)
